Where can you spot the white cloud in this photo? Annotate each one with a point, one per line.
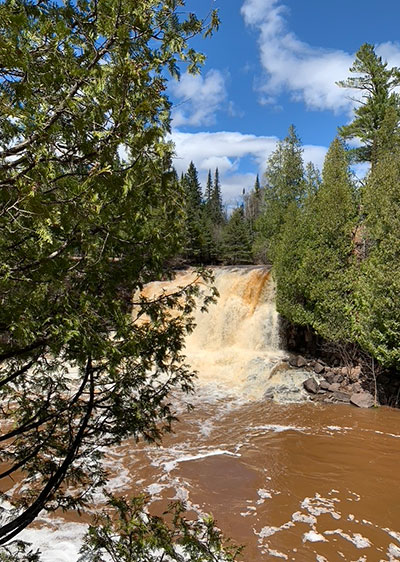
(226, 150)
(308, 73)
(198, 98)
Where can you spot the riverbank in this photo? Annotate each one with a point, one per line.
(339, 373)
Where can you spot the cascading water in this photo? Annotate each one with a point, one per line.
(292, 481)
(235, 345)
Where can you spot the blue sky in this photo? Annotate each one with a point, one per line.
(273, 63)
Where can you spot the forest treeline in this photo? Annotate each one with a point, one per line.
(333, 239)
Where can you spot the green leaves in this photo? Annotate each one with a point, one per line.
(138, 536)
(89, 213)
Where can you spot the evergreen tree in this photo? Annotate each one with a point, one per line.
(327, 267)
(377, 84)
(284, 184)
(236, 239)
(216, 209)
(377, 315)
(194, 215)
(208, 192)
(312, 179)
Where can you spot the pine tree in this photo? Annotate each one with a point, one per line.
(377, 84)
(236, 239)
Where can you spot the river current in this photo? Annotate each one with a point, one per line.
(290, 479)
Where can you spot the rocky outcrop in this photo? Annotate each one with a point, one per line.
(362, 400)
(343, 385)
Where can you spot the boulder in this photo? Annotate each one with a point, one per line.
(318, 368)
(301, 361)
(329, 376)
(311, 385)
(341, 397)
(337, 379)
(334, 387)
(324, 385)
(362, 399)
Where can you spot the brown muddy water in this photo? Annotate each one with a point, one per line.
(289, 479)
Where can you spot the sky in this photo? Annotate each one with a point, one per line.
(273, 63)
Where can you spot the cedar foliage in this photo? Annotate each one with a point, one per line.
(90, 211)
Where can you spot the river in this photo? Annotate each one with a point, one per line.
(290, 479)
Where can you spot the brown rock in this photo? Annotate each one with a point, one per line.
(355, 388)
(355, 373)
(324, 385)
(311, 385)
(318, 368)
(337, 379)
(329, 376)
(341, 397)
(334, 387)
(362, 399)
(301, 361)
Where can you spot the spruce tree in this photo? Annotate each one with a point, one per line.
(217, 213)
(209, 192)
(194, 215)
(284, 184)
(236, 239)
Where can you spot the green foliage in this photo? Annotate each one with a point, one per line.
(215, 204)
(377, 310)
(137, 536)
(90, 211)
(284, 184)
(236, 247)
(328, 262)
(194, 209)
(314, 260)
(18, 551)
(376, 83)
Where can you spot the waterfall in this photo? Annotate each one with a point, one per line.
(234, 347)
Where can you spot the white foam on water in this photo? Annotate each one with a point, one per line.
(393, 552)
(313, 536)
(268, 531)
(357, 539)
(299, 517)
(318, 505)
(168, 466)
(277, 554)
(59, 542)
(393, 534)
(395, 435)
(277, 428)
(264, 494)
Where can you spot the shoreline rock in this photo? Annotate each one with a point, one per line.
(338, 384)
